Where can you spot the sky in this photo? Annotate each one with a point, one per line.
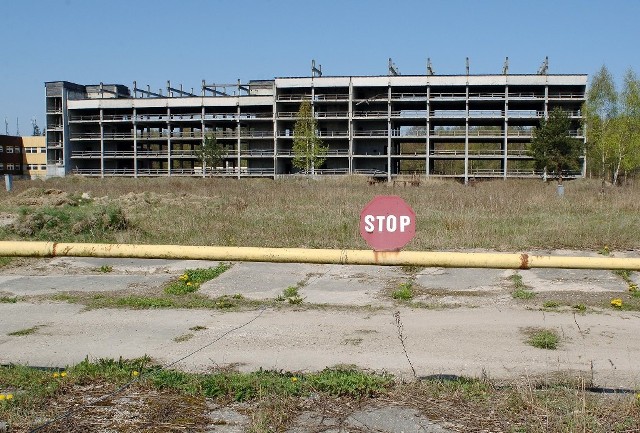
(221, 41)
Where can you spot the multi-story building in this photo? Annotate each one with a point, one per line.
(460, 126)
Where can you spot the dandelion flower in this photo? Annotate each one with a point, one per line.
(56, 375)
(9, 396)
(63, 374)
(2, 396)
(134, 373)
(616, 303)
(189, 283)
(294, 379)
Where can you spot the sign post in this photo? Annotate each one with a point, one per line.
(387, 223)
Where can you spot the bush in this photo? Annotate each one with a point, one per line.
(71, 223)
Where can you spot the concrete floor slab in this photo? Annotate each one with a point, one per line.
(558, 280)
(260, 280)
(462, 279)
(147, 266)
(350, 285)
(43, 285)
(393, 419)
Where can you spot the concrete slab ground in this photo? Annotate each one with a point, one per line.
(355, 325)
(476, 328)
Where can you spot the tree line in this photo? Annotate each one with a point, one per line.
(612, 123)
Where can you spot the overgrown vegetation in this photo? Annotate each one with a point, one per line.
(507, 215)
(273, 399)
(71, 222)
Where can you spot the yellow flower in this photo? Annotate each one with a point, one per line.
(633, 287)
(2, 396)
(9, 396)
(134, 373)
(616, 303)
(189, 283)
(56, 375)
(294, 379)
(63, 374)
(184, 277)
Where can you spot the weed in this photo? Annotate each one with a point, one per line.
(143, 302)
(411, 269)
(402, 339)
(105, 269)
(521, 290)
(27, 331)
(291, 294)
(543, 339)
(604, 251)
(184, 337)
(523, 294)
(404, 292)
(625, 274)
(4, 261)
(8, 300)
(197, 328)
(191, 280)
(551, 304)
(66, 297)
(580, 307)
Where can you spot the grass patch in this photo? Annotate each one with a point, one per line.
(197, 328)
(404, 292)
(191, 280)
(551, 304)
(105, 269)
(8, 300)
(272, 399)
(26, 331)
(184, 337)
(4, 261)
(543, 339)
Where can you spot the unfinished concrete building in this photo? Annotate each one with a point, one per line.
(459, 126)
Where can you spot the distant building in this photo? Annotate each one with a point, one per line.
(10, 155)
(23, 156)
(457, 126)
(34, 157)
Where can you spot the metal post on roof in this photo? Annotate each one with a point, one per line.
(393, 69)
(316, 72)
(429, 67)
(505, 67)
(544, 69)
(467, 65)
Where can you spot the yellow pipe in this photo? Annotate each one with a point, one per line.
(301, 255)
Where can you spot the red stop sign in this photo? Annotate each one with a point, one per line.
(387, 223)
